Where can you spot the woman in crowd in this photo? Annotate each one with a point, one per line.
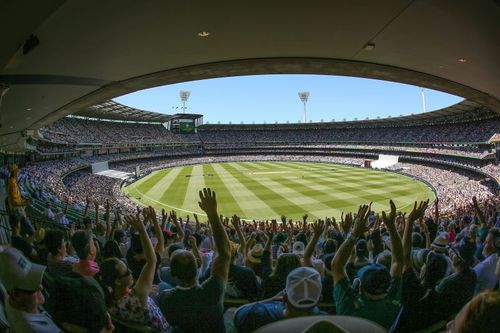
(125, 299)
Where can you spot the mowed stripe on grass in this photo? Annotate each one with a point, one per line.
(264, 190)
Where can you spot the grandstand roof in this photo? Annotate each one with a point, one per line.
(116, 111)
(463, 111)
(86, 52)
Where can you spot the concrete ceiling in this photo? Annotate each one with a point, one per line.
(91, 51)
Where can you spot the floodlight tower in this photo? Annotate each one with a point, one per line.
(184, 97)
(424, 109)
(304, 96)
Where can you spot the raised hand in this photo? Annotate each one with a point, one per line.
(318, 227)
(389, 219)
(151, 213)
(208, 202)
(346, 222)
(164, 215)
(418, 211)
(235, 221)
(134, 221)
(360, 226)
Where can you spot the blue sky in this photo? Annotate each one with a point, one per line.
(271, 98)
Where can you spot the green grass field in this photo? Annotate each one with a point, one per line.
(265, 190)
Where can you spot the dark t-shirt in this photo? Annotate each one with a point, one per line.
(197, 309)
(420, 306)
(22, 245)
(456, 290)
(244, 282)
(250, 317)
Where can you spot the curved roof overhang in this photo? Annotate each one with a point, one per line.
(92, 51)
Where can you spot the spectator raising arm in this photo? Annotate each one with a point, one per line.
(160, 244)
(144, 283)
(220, 265)
(396, 246)
(318, 228)
(235, 221)
(415, 214)
(342, 255)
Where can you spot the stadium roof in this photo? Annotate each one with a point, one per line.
(116, 111)
(86, 52)
(463, 111)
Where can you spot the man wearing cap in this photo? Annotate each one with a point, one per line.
(300, 297)
(23, 281)
(377, 298)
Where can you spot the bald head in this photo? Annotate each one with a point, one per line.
(183, 266)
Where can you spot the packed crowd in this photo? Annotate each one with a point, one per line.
(474, 131)
(386, 271)
(75, 130)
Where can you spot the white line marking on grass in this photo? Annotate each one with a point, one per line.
(164, 204)
(267, 172)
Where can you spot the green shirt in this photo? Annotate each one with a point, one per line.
(383, 311)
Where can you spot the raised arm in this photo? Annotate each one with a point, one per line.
(160, 245)
(220, 265)
(318, 227)
(107, 215)
(143, 285)
(96, 205)
(180, 231)
(196, 252)
(396, 245)
(478, 211)
(87, 205)
(416, 213)
(342, 255)
(235, 221)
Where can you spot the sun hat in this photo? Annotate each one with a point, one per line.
(323, 324)
(303, 287)
(298, 248)
(375, 279)
(255, 254)
(17, 272)
(440, 242)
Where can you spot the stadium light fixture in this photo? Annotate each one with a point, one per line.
(184, 97)
(304, 97)
(422, 92)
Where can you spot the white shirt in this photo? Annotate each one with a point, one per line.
(485, 271)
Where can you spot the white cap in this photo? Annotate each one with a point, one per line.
(17, 272)
(303, 287)
(298, 248)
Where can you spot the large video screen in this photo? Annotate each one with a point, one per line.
(186, 126)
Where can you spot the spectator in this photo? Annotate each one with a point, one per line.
(485, 270)
(58, 263)
(77, 304)
(479, 315)
(19, 242)
(127, 300)
(377, 289)
(85, 249)
(23, 281)
(300, 297)
(206, 300)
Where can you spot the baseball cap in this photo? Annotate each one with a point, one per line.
(18, 272)
(375, 279)
(298, 248)
(303, 287)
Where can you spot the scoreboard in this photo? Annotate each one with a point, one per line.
(183, 123)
